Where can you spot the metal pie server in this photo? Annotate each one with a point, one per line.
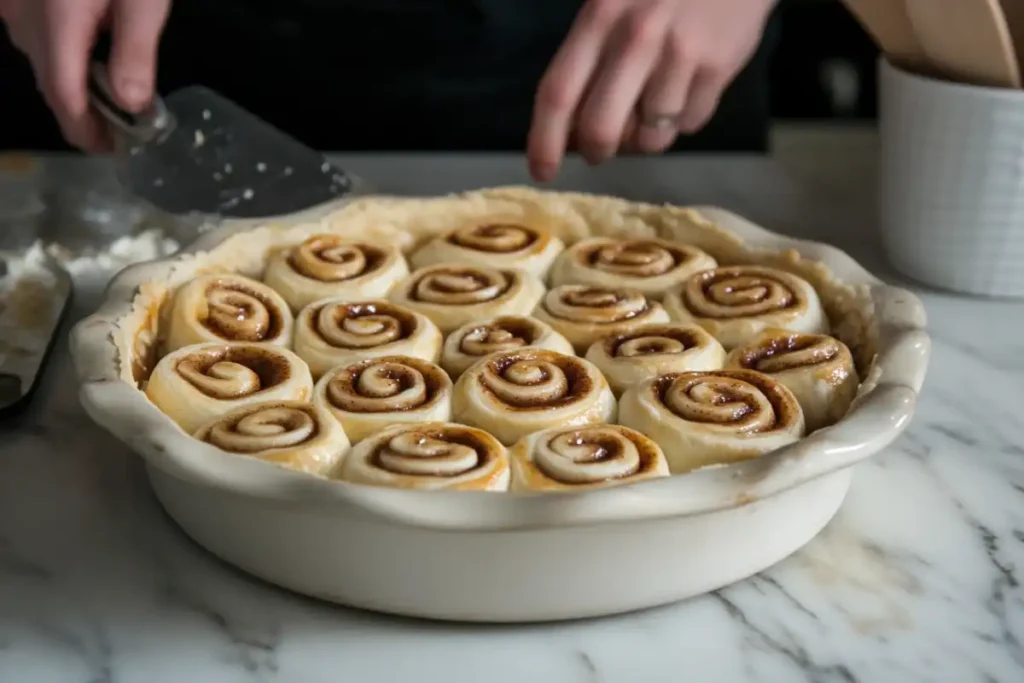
(195, 151)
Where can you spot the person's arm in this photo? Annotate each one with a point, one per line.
(58, 38)
(636, 73)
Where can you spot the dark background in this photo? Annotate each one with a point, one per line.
(822, 68)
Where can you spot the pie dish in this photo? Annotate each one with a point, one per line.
(438, 551)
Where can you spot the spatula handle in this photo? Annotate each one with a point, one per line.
(151, 123)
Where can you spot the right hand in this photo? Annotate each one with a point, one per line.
(58, 37)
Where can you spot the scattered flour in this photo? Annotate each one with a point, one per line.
(92, 269)
(33, 293)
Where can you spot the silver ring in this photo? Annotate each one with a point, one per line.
(660, 121)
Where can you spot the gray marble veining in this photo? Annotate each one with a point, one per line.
(916, 579)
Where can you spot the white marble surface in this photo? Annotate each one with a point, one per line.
(916, 579)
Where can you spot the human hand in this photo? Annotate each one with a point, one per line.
(636, 73)
(58, 37)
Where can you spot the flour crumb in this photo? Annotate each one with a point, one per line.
(95, 267)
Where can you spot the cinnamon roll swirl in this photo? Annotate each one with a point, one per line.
(471, 342)
(585, 313)
(453, 296)
(329, 266)
(716, 417)
(586, 457)
(430, 456)
(335, 332)
(196, 384)
(227, 308)
(292, 434)
(734, 303)
(513, 393)
(818, 369)
(368, 395)
(650, 265)
(496, 243)
(654, 349)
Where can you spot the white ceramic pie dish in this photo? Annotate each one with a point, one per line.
(506, 557)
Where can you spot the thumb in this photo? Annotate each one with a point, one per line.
(136, 26)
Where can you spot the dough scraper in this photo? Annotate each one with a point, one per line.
(195, 151)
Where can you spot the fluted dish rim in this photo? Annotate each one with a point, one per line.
(878, 416)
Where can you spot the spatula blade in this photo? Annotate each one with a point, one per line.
(217, 158)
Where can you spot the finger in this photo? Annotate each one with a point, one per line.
(705, 92)
(70, 30)
(628, 60)
(562, 86)
(136, 27)
(664, 97)
(630, 134)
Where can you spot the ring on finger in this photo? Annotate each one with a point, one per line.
(659, 121)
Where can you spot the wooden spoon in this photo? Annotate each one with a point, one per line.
(886, 21)
(966, 40)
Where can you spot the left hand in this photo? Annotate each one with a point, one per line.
(636, 73)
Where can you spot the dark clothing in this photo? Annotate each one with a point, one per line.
(404, 74)
(365, 75)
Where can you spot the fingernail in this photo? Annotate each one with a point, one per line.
(133, 92)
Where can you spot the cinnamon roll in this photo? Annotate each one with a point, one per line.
(292, 434)
(368, 395)
(710, 418)
(818, 369)
(585, 457)
(650, 265)
(654, 349)
(734, 303)
(471, 342)
(496, 243)
(196, 384)
(227, 308)
(513, 393)
(453, 296)
(329, 266)
(335, 332)
(585, 313)
(430, 456)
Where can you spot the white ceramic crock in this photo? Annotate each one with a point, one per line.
(951, 182)
(510, 557)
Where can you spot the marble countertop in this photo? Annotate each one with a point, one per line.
(916, 579)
